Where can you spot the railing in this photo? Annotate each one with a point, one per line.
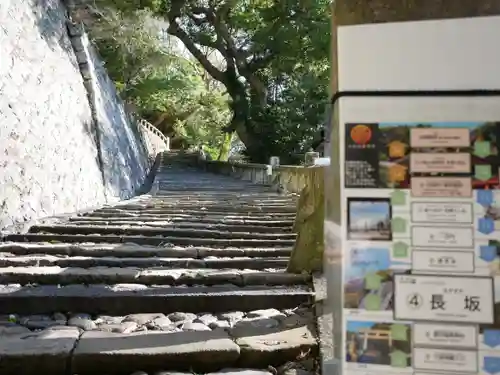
(157, 139)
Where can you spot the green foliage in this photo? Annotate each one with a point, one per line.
(275, 61)
(151, 73)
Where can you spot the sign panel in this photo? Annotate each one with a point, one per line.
(446, 213)
(437, 162)
(445, 336)
(420, 206)
(438, 261)
(443, 298)
(420, 229)
(447, 360)
(439, 137)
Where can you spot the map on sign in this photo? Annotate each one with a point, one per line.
(421, 235)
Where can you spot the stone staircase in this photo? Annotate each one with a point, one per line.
(189, 278)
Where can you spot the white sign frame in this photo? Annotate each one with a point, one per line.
(406, 287)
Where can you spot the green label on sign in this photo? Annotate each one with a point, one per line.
(399, 332)
(398, 225)
(482, 172)
(400, 250)
(399, 359)
(372, 302)
(398, 198)
(373, 281)
(482, 148)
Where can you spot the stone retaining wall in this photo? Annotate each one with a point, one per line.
(59, 152)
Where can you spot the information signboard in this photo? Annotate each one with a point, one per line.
(419, 201)
(422, 222)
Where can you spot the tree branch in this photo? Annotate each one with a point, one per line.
(176, 30)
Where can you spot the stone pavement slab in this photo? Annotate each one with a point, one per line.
(43, 352)
(111, 353)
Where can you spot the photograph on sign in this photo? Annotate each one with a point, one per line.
(368, 283)
(369, 219)
(442, 212)
(445, 335)
(445, 360)
(441, 236)
(444, 298)
(385, 155)
(378, 343)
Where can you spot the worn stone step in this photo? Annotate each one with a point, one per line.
(152, 202)
(233, 225)
(219, 209)
(48, 275)
(152, 342)
(12, 260)
(137, 251)
(215, 194)
(204, 199)
(106, 340)
(122, 299)
(148, 240)
(166, 189)
(164, 231)
(191, 217)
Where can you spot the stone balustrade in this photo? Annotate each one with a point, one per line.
(308, 181)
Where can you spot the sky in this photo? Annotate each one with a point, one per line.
(355, 326)
(450, 124)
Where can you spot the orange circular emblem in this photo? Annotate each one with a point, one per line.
(361, 134)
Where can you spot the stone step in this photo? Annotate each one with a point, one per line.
(66, 343)
(130, 250)
(235, 202)
(122, 299)
(218, 195)
(55, 275)
(163, 231)
(12, 260)
(220, 209)
(192, 216)
(206, 199)
(166, 189)
(233, 225)
(148, 240)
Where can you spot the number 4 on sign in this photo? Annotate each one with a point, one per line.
(414, 301)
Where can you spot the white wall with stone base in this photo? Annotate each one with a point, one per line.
(49, 160)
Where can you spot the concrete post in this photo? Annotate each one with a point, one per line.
(310, 158)
(274, 161)
(358, 12)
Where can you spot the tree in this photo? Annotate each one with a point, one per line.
(273, 51)
(264, 43)
(150, 71)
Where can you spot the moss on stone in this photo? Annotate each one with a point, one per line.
(307, 254)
